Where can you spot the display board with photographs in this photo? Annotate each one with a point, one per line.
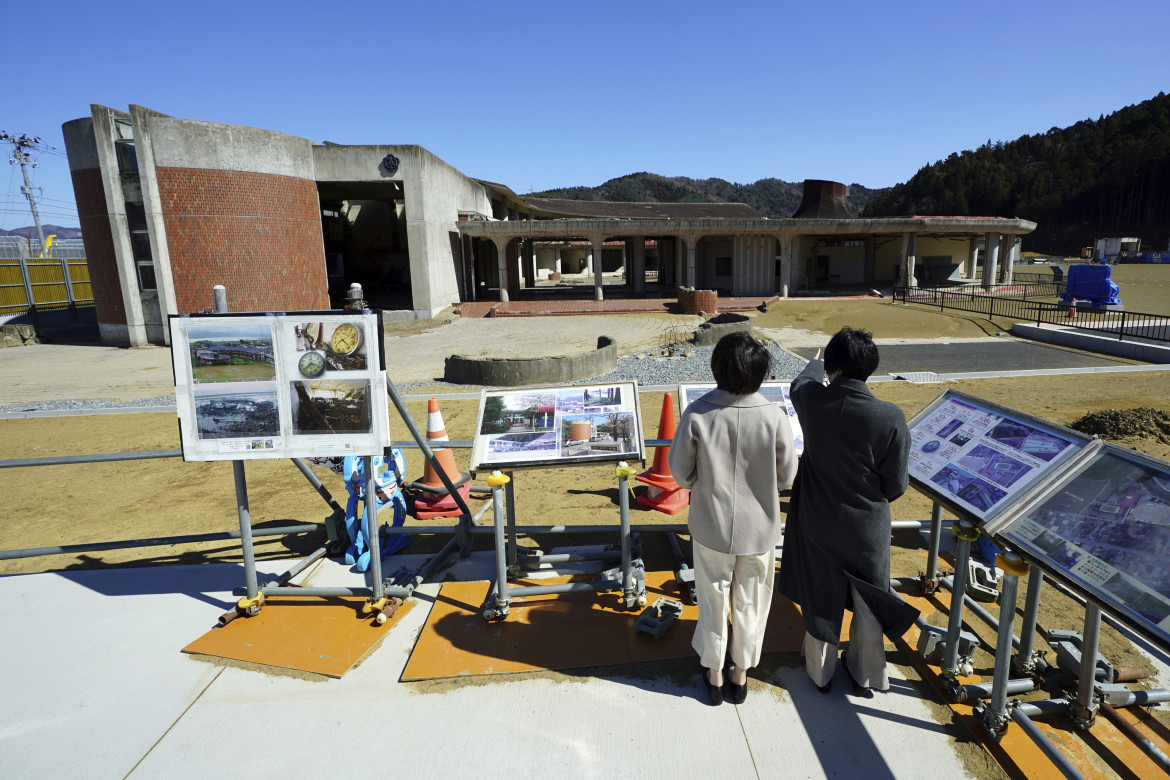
(557, 426)
(1104, 526)
(299, 384)
(979, 458)
(778, 393)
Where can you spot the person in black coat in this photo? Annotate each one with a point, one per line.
(837, 536)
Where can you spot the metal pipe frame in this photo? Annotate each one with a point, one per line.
(69, 549)
(930, 581)
(1026, 658)
(995, 717)
(534, 561)
(500, 599)
(511, 541)
(1085, 710)
(465, 519)
(1036, 735)
(565, 587)
(624, 508)
(950, 667)
(293, 590)
(370, 511)
(245, 517)
(974, 606)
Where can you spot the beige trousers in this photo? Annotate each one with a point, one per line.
(867, 651)
(735, 585)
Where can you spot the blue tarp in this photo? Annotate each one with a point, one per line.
(1090, 283)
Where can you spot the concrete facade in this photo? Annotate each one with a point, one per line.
(171, 207)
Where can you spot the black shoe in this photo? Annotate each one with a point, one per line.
(714, 691)
(859, 690)
(737, 693)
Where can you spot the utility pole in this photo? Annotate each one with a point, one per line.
(21, 143)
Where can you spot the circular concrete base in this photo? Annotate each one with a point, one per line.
(519, 372)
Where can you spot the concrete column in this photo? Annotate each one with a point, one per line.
(597, 242)
(557, 260)
(689, 278)
(1010, 254)
(972, 259)
(785, 265)
(906, 277)
(502, 263)
(528, 253)
(589, 261)
(990, 258)
(678, 262)
(638, 266)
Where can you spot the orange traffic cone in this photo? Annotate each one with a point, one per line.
(664, 494)
(1072, 311)
(435, 500)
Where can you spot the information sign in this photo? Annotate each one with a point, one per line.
(1104, 526)
(557, 426)
(284, 385)
(776, 392)
(979, 458)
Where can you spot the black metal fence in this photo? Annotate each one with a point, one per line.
(1021, 302)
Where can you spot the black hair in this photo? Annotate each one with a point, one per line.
(852, 353)
(740, 363)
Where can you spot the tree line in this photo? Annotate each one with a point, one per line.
(1097, 178)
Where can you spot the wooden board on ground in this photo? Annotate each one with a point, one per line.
(315, 634)
(565, 631)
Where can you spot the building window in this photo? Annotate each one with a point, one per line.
(723, 266)
(127, 157)
(146, 277)
(140, 247)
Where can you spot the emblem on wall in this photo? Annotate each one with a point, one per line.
(390, 163)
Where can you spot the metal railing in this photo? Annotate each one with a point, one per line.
(33, 280)
(1020, 302)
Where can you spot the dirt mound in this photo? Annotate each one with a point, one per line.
(1117, 424)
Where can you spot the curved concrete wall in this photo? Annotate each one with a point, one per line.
(240, 208)
(517, 372)
(712, 330)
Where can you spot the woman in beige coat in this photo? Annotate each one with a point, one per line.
(733, 449)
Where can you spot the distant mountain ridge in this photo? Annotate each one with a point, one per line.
(49, 230)
(773, 198)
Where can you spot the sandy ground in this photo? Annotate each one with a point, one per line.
(154, 498)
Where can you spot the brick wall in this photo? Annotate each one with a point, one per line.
(99, 246)
(257, 234)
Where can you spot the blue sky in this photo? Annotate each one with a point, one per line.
(550, 94)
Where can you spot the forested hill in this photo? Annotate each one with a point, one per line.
(1096, 179)
(771, 197)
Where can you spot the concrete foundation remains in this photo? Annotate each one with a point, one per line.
(17, 335)
(712, 330)
(518, 372)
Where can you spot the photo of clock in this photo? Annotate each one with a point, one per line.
(346, 339)
(311, 364)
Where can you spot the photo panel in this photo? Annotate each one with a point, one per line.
(1104, 527)
(301, 384)
(526, 427)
